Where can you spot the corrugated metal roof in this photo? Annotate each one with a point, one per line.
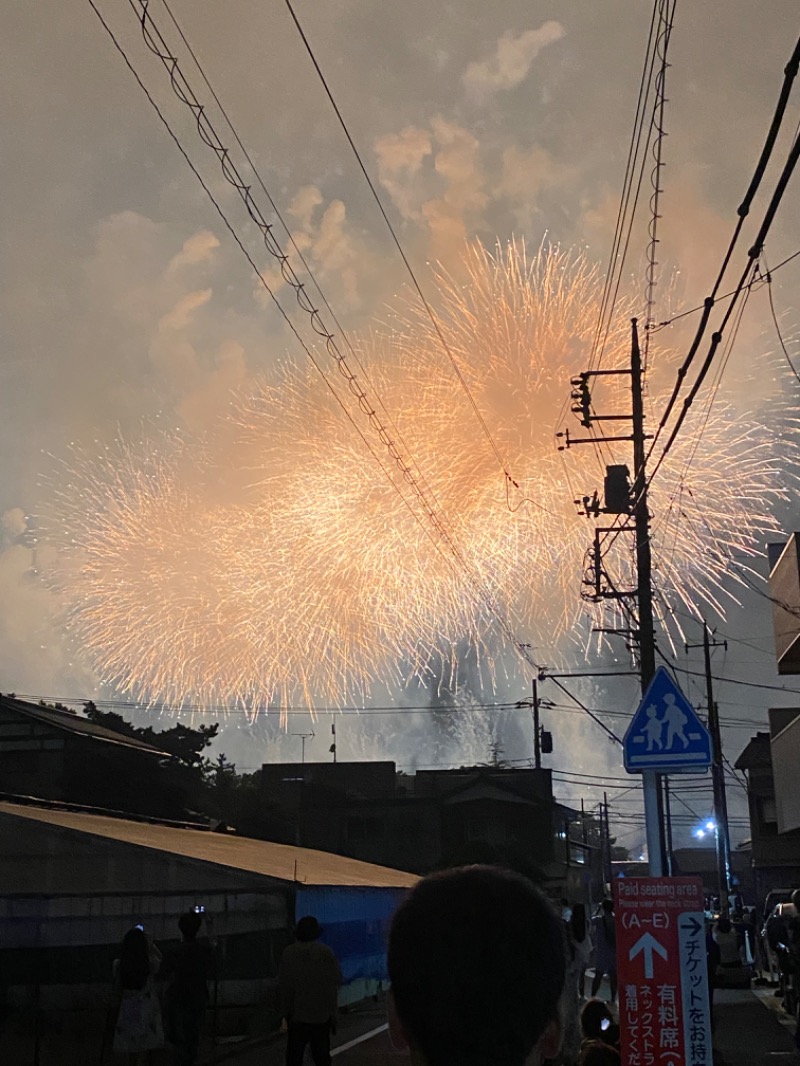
(279, 861)
(75, 723)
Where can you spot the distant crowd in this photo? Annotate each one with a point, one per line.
(483, 969)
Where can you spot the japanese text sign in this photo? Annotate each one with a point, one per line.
(662, 971)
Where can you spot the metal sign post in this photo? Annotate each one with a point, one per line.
(663, 975)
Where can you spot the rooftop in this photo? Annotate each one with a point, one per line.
(282, 862)
(70, 722)
(757, 755)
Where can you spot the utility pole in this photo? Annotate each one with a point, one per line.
(668, 824)
(622, 498)
(651, 783)
(537, 740)
(722, 833)
(606, 838)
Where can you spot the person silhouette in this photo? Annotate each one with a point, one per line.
(675, 720)
(653, 729)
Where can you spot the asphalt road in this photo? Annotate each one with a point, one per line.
(361, 1039)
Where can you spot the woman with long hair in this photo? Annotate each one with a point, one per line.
(138, 1028)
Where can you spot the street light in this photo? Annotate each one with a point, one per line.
(709, 827)
(712, 827)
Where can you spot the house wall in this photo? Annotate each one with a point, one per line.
(57, 951)
(517, 827)
(31, 756)
(785, 751)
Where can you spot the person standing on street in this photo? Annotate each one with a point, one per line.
(582, 943)
(187, 970)
(605, 942)
(138, 1029)
(308, 980)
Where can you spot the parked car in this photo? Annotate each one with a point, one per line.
(776, 896)
(774, 932)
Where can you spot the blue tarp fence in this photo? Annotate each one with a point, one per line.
(355, 925)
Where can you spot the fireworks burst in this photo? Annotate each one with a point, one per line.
(277, 564)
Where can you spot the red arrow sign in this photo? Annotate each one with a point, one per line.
(663, 979)
(647, 945)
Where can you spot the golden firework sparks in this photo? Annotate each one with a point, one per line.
(277, 564)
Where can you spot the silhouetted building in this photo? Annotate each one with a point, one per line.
(774, 832)
(432, 818)
(55, 753)
(73, 882)
(784, 586)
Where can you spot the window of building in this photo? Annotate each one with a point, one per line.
(578, 855)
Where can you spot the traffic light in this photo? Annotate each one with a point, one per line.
(546, 742)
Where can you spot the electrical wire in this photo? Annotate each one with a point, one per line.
(790, 72)
(155, 43)
(276, 211)
(456, 556)
(666, 19)
(616, 262)
(784, 349)
(693, 310)
(406, 262)
(598, 721)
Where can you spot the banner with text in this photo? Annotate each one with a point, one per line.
(663, 975)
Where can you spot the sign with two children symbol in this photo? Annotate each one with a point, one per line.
(665, 734)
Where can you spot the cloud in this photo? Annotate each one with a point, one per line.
(14, 522)
(35, 655)
(198, 407)
(179, 316)
(199, 248)
(525, 175)
(333, 252)
(511, 61)
(303, 206)
(400, 159)
(435, 177)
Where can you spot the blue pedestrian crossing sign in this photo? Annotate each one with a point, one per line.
(665, 734)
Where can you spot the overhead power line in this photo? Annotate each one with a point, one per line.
(156, 44)
(693, 310)
(777, 324)
(276, 211)
(626, 213)
(790, 73)
(406, 262)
